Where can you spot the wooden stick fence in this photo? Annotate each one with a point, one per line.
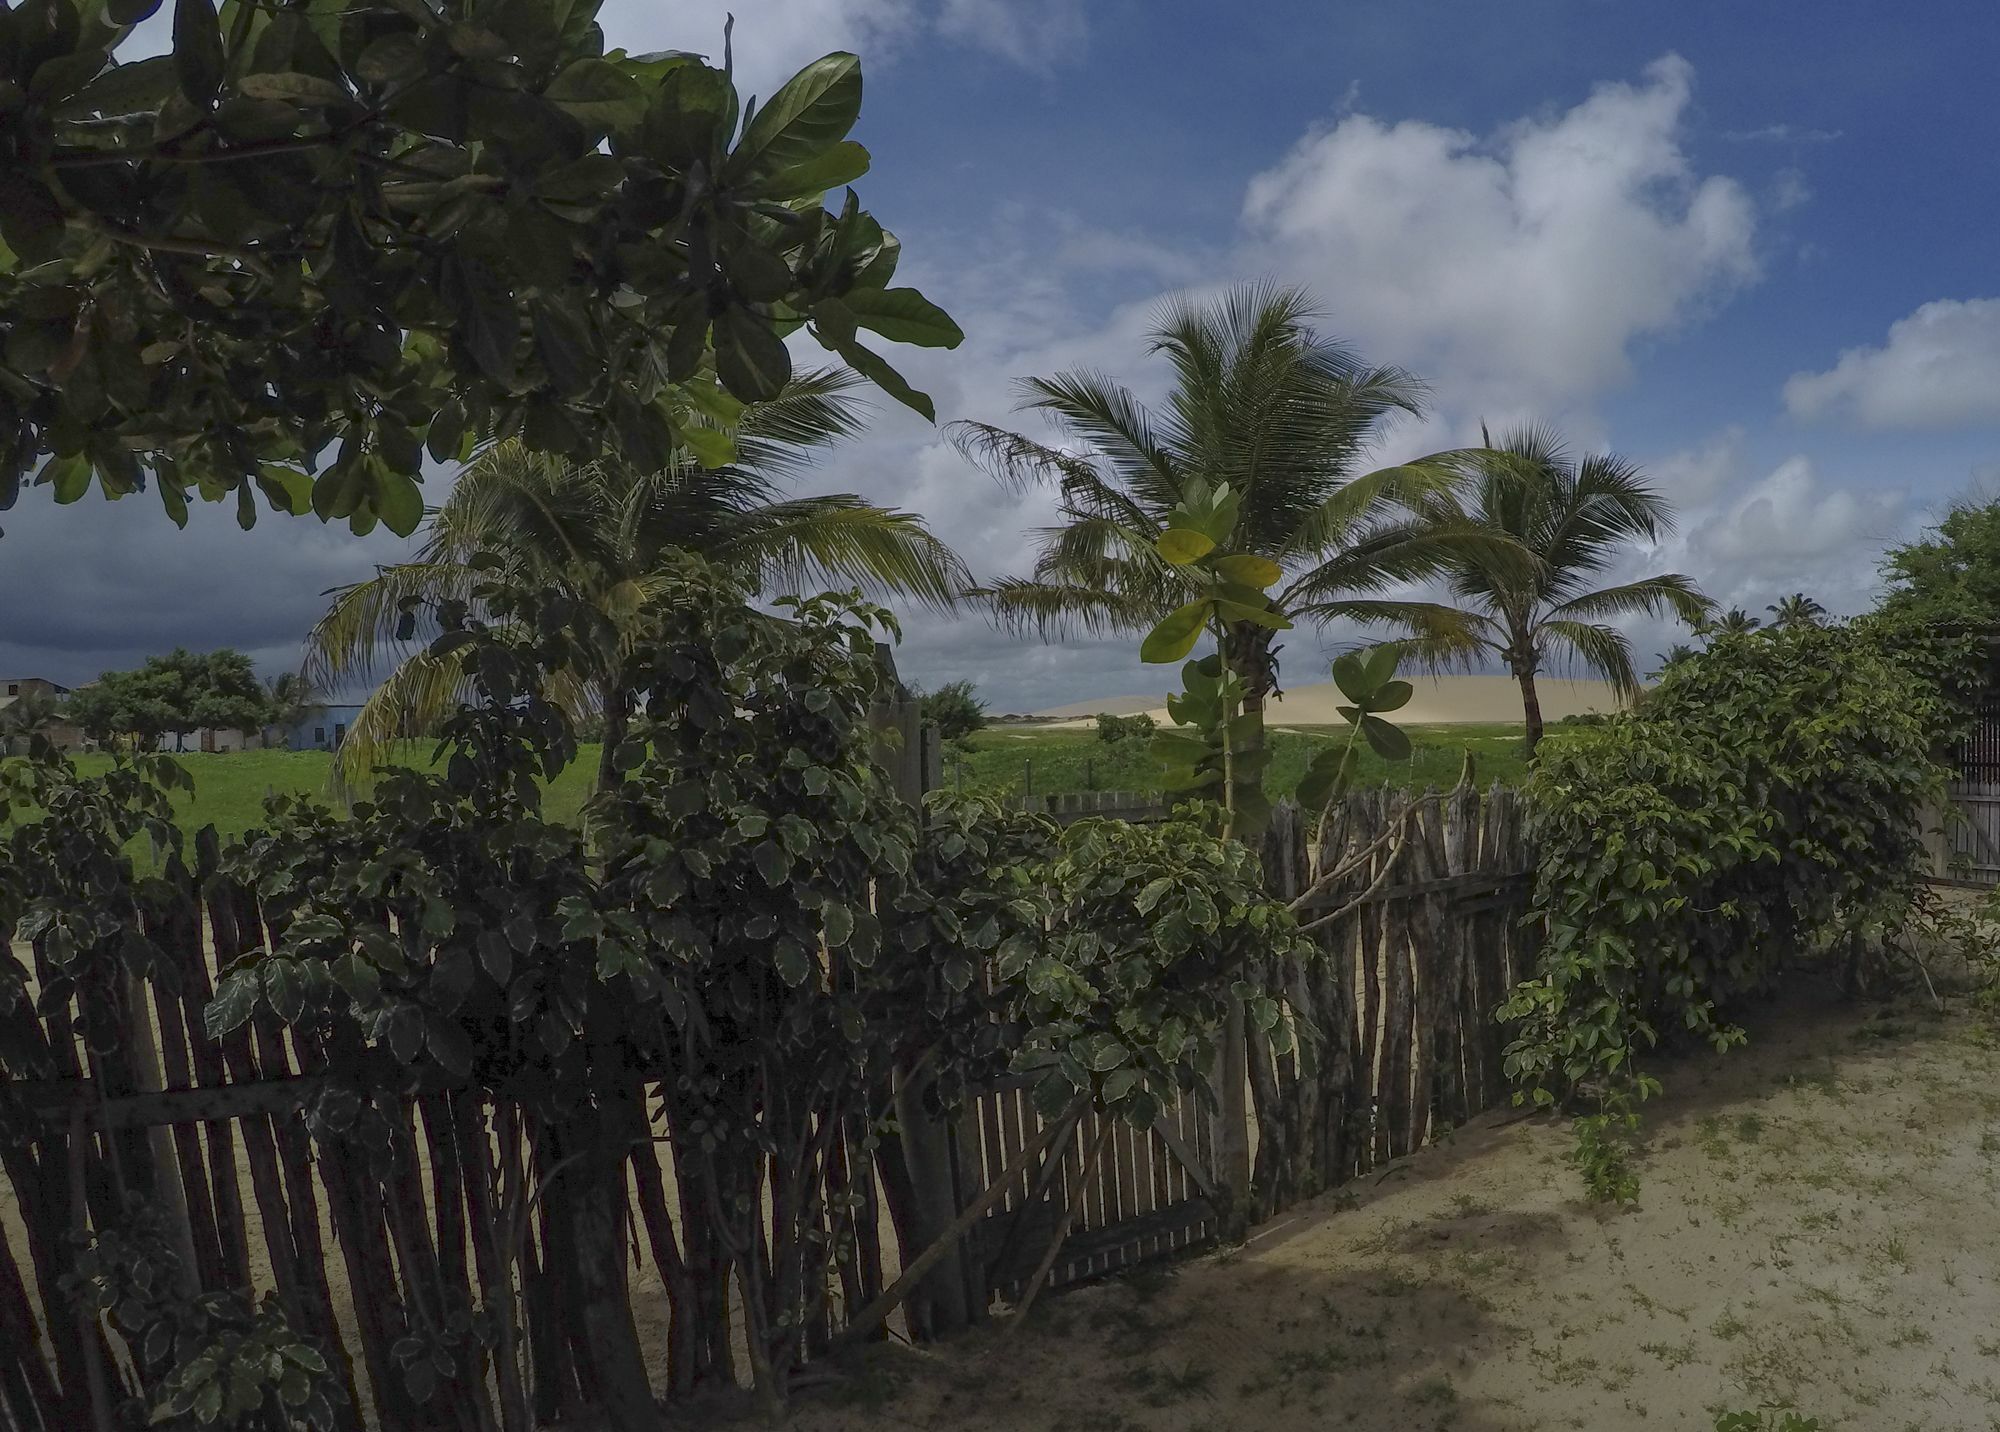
(1396, 1042)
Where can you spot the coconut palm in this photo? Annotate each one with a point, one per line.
(1734, 622)
(1797, 610)
(1576, 517)
(1262, 404)
(1673, 656)
(606, 534)
(26, 716)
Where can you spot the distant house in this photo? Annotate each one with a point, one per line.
(322, 728)
(65, 734)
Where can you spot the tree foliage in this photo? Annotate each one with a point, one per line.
(1575, 518)
(1764, 805)
(1942, 609)
(172, 695)
(955, 709)
(612, 535)
(322, 237)
(1239, 503)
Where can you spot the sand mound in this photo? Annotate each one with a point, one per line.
(1439, 700)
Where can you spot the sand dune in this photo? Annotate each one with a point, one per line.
(1439, 700)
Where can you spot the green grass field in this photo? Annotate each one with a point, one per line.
(1006, 760)
(229, 790)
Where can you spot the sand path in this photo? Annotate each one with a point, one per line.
(1816, 1227)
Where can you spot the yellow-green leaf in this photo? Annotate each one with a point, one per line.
(1182, 545)
(1176, 634)
(1249, 569)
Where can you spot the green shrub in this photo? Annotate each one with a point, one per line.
(1763, 806)
(955, 709)
(1113, 729)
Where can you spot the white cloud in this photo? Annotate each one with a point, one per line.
(774, 38)
(1035, 34)
(1938, 368)
(1516, 268)
(1793, 530)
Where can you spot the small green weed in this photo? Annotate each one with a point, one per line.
(1603, 1155)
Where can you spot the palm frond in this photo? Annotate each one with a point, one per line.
(1668, 592)
(839, 539)
(1598, 648)
(355, 642)
(1054, 611)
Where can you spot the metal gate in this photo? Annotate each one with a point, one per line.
(1972, 829)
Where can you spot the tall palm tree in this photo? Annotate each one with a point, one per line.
(605, 533)
(1797, 610)
(290, 696)
(1260, 403)
(1734, 622)
(1575, 517)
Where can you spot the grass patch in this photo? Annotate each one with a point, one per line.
(229, 788)
(1003, 760)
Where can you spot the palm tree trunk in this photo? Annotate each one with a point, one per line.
(1531, 704)
(1248, 655)
(617, 720)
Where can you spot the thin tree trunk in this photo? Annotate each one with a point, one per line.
(1531, 705)
(617, 718)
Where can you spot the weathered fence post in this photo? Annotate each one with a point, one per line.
(941, 1305)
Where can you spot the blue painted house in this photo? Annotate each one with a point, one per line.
(322, 728)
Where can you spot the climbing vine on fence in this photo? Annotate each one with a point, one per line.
(1763, 805)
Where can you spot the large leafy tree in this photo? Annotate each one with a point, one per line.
(1259, 445)
(321, 236)
(609, 535)
(1942, 609)
(172, 695)
(1574, 517)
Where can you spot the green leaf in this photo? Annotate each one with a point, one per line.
(1182, 545)
(772, 862)
(125, 89)
(1389, 741)
(234, 998)
(1176, 634)
(598, 95)
(1391, 696)
(842, 164)
(399, 502)
(792, 962)
(876, 369)
(902, 315)
(1256, 616)
(750, 358)
(1350, 674)
(198, 55)
(1382, 662)
(294, 89)
(1249, 569)
(810, 113)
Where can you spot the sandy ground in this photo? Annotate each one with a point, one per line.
(1438, 700)
(1816, 1227)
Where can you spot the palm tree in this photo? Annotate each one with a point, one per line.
(605, 534)
(1262, 404)
(1734, 622)
(1797, 610)
(290, 697)
(25, 716)
(1575, 517)
(1673, 656)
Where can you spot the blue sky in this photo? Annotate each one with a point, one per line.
(1748, 244)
